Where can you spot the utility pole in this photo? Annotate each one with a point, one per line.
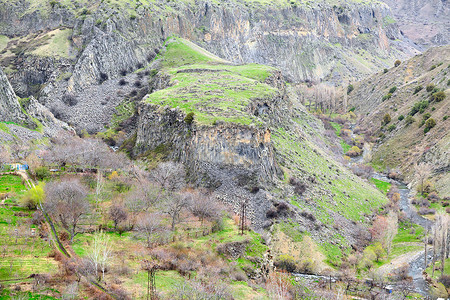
(151, 269)
(243, 215)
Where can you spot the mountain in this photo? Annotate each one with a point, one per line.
(242, 132)
(407, 93)
(70, 55)
(426, 22)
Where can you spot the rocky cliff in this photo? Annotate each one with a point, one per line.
(58, 50)
(426, 22)
(407, 93)
(10, 109)
(242, 132)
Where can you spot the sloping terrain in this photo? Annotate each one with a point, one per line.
(410, 93)
(241, 131)
(426, 22)
(71, 55)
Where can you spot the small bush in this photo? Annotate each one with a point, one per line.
(299, 187)
(137, 83)
(386, 119)
(430, 123)
(401, 117)
(386, 97)
(350, 88)
(189, 118)
(391, 127)
(409, 120)
(419, 107)
(430, 87)
(432, 67)
(122, 82)
(397, 63)
(285, 262)
(103, 77)
(123, 72)
(393, 89)
(418, 89)
(385, 71)
(69, 99)
(438, 96)
(445, 280)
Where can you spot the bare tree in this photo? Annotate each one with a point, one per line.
(117, 214)
(66, 202)
(203, 206)
(391, 231)
(422, 172)
(173, 205)
(149, 225)
(169, 175)
(100, 252)
(5, 156)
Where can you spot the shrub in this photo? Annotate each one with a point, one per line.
(445, 280)
(189, 118)
(385, 97)
(285, 262)
(438, 96)
(401, 117)
(42, 173)
(430, 87)
(69, 99)
(409, 120)
(103, 77)
(350, 88)
(299, 187)
(397, 63)
(393, 89)
(430, 123)
(137, 83)
(426, 116)
(419, 107)
(385, 71)
(392, 127)
(432, 67)
(33, 196)
(418, 89)
(123, 72)
(122, 82)
(386, 119)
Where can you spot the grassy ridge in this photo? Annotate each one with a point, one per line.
(210, 87)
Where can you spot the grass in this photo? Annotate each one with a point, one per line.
(408, 232)
(22, 254)
(381, 185)
(11, 183)
(58, 44)
(210, 87)
(437, 272)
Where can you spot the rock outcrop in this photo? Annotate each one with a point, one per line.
(316, 41)
(426, 22)
(10, 109)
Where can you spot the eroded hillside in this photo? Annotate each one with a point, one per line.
(411, 94)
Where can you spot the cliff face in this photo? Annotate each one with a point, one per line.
(10, 110)
(249, 138)
(426, 22)
(404, 142)
(53, 51)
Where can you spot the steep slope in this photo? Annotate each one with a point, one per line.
(242, 132)
(426, 22)
(10, 110)
(61, 50)
(403, 144)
